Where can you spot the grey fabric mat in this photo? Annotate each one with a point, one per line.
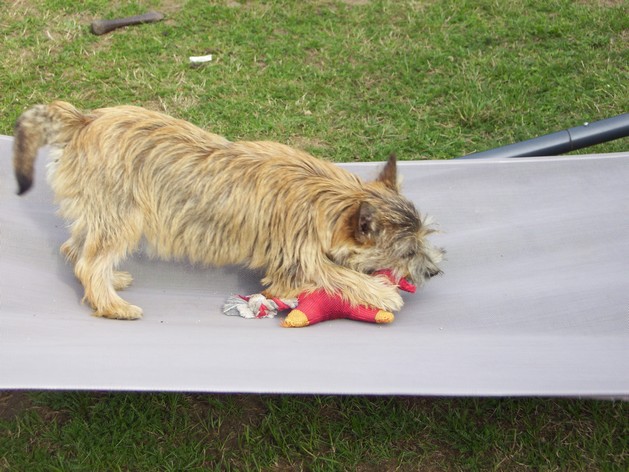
(534, 300)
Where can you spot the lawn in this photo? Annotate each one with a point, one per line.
(347, 81)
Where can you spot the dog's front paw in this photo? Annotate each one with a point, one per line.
(386, 298)
(391, 301)
(381, 293)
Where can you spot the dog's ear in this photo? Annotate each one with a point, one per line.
(366, 225)
(388, 175)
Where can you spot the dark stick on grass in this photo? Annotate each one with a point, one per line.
(105, 26)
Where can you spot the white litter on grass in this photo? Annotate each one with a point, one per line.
(200, 59)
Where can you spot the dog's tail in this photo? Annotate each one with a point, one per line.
(53, 124)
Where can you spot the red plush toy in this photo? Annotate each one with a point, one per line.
(313, 307)
(320, 306)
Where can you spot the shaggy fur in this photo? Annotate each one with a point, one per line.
(123, 173)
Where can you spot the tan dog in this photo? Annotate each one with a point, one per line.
(123, 173)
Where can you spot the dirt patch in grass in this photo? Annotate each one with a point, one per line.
(604, 3)
(13, 404)
(315, 59)
(355, 2)
(237, 412)
(307, 143)
(170, 7)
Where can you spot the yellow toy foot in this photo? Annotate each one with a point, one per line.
(384, 317)
(295, 319)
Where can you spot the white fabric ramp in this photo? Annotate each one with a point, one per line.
(534, 300)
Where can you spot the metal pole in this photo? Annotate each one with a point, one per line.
(560, 142)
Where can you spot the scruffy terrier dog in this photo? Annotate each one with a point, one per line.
(123, 173)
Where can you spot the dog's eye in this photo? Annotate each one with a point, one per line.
(410, 255)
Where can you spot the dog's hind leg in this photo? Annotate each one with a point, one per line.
(73, 248)
(102, 250)
(122, 279)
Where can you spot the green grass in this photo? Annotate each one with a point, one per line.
(125, 431)
(428, 79)
(346, 81)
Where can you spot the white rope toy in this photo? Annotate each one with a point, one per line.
(257, 306)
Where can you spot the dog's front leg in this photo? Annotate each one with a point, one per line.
(362, 289)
